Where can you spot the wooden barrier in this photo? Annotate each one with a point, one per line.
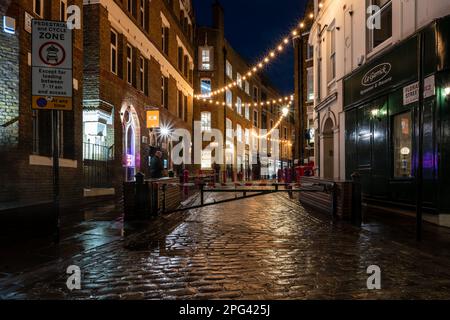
(323, 201)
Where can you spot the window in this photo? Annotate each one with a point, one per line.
(239, 133)
(142, 13)
(206, 159)
(229, 98)
(205, 59)
(239, 80)
(206, 121)
(132, 7)
(165, 92)
(247, 136)
(180, 58)
(180, 104)
(186, 66)
(165, 39)
(377, 36)
(205, 86)
(310, 84)
(185, 108)
(141, 74)
(309, 52)
(332, 53)
(38, 7)
(63, 10)
(129, 64)
(229, 131)
(285, 133)
(402, 135)
(255, 118)
(247, 87)
(247, 112)
(229, 70)
(113, 52)
(255, 94)
(239, 106)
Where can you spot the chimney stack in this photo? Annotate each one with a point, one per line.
(218, 16)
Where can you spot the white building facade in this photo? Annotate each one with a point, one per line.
(347, 35)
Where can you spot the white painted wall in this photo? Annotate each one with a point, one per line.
(350, 20)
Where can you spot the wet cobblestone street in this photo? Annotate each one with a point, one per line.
(267, 247)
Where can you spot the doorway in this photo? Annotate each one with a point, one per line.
(328, 150)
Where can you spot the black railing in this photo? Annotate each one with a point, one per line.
(97, 165)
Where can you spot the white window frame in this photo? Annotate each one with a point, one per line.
(371, 50)
(247, 136)
(141, 73)
(331, 44)
(255, 123)
(247, 87)
(229, 98)
(310, 84)
(229, 129)
(247, 112)
(205, 58)
(239, 79)
(239, 106)
(229, 70)
(41, 8)
(114, 47)
(239, 133)
(210, 86)
(130, 65)
(205, 118)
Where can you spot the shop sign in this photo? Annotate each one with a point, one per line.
(429, 87)
(152, 119)
(391, 70)
(411, 94)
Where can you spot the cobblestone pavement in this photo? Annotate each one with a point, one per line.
(266, 247)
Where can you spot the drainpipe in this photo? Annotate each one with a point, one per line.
(419, 171)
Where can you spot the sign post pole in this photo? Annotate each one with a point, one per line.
(52, 86)
(55, 136)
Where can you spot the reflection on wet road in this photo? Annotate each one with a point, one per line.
(266, 247)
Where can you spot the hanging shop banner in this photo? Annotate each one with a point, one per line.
(152, 119)
(52, 80)
(391, 70)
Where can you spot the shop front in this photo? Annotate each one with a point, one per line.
(383, 101)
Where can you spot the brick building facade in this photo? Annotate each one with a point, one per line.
(238, 108)
(25, 134)
(304, 90)
(138, 56)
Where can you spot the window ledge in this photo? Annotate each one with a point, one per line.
(36, 160)
(381, 47)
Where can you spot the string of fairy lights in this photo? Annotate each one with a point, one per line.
(270, 57)
(287, 99)
(276, 51)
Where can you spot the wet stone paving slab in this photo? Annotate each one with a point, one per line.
(267, 247)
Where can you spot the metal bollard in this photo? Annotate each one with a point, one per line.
(164, 189)
(202, 194)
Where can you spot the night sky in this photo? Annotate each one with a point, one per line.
(253, 27)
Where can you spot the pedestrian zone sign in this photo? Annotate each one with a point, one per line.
(52, 80)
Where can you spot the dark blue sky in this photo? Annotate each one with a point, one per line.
(255, 26)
